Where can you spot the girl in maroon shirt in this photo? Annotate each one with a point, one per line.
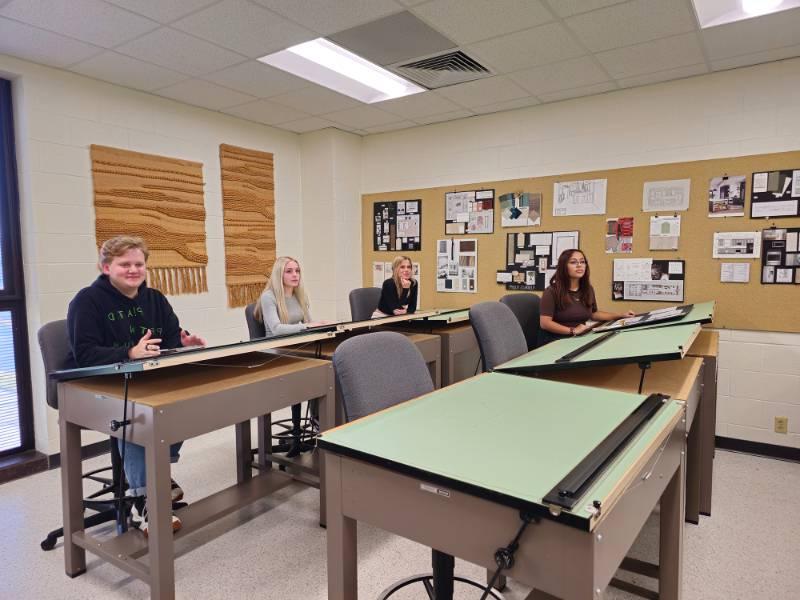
(570, 301)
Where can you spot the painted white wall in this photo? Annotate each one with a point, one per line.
(57, 116)
(718, 115)
(331, 179)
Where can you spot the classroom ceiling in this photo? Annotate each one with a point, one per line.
(203, 52)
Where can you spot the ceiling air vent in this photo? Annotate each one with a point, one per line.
(442, 70)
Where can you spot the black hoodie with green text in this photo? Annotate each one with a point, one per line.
(103, 323)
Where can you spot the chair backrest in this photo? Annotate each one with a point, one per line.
(378, 370)
(56, 354)
(499, 334)
(364, 302)
(526, 308)
(254, 326)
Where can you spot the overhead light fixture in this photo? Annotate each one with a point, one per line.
(711, 13)
(323, 62)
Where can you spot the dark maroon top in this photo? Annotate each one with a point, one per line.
(572, 315)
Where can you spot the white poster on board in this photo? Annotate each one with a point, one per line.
(584, 197)
(737, 244)
(662, 196)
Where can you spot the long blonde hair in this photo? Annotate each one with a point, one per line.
(275, 284)
(398, 260)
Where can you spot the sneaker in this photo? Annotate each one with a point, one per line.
(139, 516)
(177, 491)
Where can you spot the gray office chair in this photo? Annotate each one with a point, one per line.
(255, 327)
(375, 371)
(525, 307)
(57, 356)
(293, 435)
(364, 302)
(498, 332)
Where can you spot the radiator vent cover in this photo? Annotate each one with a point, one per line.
(442, 70)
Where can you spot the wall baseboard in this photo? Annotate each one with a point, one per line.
(90, 451)
(21, 465)
(759, 448)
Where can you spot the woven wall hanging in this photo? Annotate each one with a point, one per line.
(160, 199)
(248, 209)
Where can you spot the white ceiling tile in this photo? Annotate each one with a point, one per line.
(38, 45)
(245, 28)
(668, 75)
(90, 21)
(659, 55)
(507, 105)
(418, 105)
(306, 125)
(468, 21)
(483, 91)
(632, 23)
(361, 117)
(205, 94)
(127, 71)
(538, 46)
(263, 111)
(163, 11)
(324, 16)
(390, 127)
(567, 8)
(449, 116)
(754, 59)
(585, 90)
(180, 52)
(565, 75)
(257, 79)
(315, 100)
(411, 2)
(769, 32)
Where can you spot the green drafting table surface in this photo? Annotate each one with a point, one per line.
(637, 345)
(701, 313)
(424, 470)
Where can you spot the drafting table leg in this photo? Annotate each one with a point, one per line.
(341, 536)
(244, 457)
(264, 429)
(72, 496)
(327, 420)
(693, 459)
(708, 425)
(671, 536)
(159, 506)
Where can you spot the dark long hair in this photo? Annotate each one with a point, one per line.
(560, 282)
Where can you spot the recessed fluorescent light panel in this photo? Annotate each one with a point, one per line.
(324, 63)
(711, 13)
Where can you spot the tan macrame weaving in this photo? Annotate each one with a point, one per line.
(160, 199)
(248, 213)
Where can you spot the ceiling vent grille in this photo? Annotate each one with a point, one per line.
(442, 70)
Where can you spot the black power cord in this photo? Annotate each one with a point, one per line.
(504, 557)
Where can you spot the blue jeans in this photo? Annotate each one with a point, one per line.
(135, 469)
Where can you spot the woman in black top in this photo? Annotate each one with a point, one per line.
(399, 292)
(570, 301)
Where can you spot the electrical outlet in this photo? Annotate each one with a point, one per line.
(781, 424)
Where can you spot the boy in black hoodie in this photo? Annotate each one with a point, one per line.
(119, 318)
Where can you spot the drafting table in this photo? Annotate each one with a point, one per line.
(460, 351)
(422, 470)
(169, 403)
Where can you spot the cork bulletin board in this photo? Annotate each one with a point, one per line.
(748, 306)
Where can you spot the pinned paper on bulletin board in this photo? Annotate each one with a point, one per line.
(457, 265)
(619, 235)
(531, 258)
(648, 279)
(469, 212)
(397, 226)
